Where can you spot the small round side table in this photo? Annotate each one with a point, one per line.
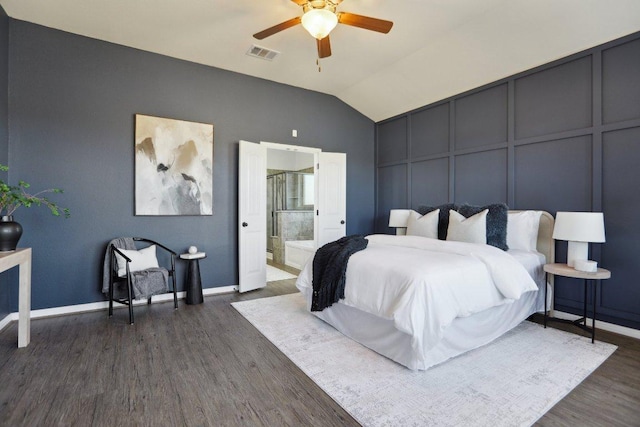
(566, 271)
(193, 283)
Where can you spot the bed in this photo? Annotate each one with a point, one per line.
(391, 309)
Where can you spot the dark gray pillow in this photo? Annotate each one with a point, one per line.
(443, 220)
(496, 222)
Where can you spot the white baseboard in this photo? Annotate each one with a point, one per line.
(8, 319)
(102, 305)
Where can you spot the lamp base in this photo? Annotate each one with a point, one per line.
(577, 251)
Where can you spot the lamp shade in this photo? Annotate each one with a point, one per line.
(399, 217)
(319, 22)
(579, 227)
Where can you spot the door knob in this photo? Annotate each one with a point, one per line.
(244, 224)
(342, 222)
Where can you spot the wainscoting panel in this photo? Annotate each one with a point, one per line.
(392, 141)
(430, 182)
(554, 100)
(480, 177)
(564, 136)
(392, 194)
(481, 118)
(621, 203)
(554, 175)
(620, 88)
(430, 131)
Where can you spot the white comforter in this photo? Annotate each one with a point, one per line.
(423, 284)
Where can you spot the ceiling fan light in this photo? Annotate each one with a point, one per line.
(319, 22)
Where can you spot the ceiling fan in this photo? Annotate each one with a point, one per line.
(320, 17)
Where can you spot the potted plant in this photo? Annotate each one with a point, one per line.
(14, 196)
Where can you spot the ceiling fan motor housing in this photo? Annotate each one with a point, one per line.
(320, 4)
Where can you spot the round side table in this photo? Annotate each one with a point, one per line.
(193, 283)
(566, 271)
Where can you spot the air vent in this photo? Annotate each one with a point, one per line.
(262, 52)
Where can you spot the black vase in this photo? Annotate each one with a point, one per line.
(10, 233)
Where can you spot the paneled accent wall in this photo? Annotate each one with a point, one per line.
(561, 137)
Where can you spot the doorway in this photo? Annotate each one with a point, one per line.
(329, 201)
(290, 211)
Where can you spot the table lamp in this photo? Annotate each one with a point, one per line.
(398, 219)
(579, 229)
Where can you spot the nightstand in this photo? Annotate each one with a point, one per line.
(566, 271)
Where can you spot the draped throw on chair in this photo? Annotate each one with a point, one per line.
(145, 283)
(129, 273)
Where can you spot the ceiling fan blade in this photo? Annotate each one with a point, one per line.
(300, 2)
(324, 47)
(277, 28)
(365, 22)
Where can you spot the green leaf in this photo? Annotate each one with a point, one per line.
(14, 196)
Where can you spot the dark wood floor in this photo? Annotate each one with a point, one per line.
(206, 365)
(608, 397)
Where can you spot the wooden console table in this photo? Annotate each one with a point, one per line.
(22, 258)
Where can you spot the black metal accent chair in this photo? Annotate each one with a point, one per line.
(127, 280)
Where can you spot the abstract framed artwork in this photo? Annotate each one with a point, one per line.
(173, 167)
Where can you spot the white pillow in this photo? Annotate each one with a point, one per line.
(140, 260)
(522, 230)
(471, 230)
(423, 225)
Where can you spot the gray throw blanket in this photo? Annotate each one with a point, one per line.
(329, 270)
(149, 282)
(146, 283)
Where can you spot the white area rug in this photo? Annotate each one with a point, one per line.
(510, 382)
(274, 274)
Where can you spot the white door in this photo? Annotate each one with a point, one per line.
(252, 216)
(332, 189)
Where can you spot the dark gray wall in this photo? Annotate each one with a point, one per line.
(5, 278)
(562, 137)
(71, 107)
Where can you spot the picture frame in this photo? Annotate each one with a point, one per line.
(173, 166)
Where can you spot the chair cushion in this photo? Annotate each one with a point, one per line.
(140, 260)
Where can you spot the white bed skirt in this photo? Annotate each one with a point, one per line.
(464, 334)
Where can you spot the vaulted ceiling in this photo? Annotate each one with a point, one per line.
(436, 48)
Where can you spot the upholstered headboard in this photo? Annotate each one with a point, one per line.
(546, 244)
